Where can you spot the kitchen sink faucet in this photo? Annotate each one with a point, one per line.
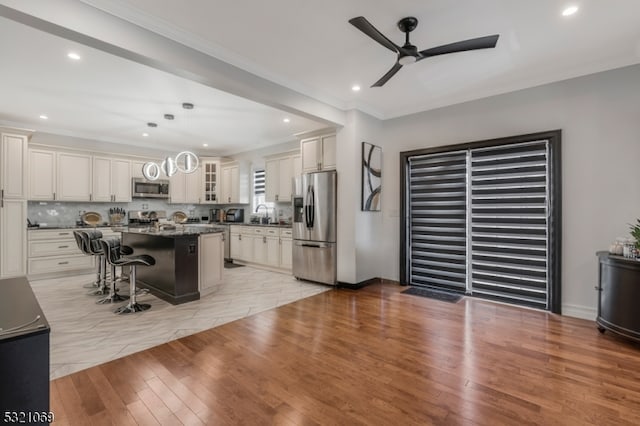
(266, 212)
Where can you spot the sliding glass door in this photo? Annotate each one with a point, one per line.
(483, 219)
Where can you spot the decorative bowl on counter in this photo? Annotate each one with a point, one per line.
(91, 218)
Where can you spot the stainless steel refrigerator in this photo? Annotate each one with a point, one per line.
(314, 227)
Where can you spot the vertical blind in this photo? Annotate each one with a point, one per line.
(478, 222)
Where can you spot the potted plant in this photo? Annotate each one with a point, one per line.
(635, 233)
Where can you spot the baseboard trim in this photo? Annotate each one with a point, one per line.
(578, 311)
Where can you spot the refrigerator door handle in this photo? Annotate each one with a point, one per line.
(313, 207)
(306, 209)
(311, 245)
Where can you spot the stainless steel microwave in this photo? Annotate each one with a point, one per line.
(142, 188)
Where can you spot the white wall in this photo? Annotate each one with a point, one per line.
(600, 119)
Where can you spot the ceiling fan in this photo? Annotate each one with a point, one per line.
(409, 53)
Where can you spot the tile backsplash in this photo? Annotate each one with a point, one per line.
(57, 213)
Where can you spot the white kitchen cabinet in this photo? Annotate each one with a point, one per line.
(42, 174)
(55, 251)
(184, 188)
(318, 153)
(265, 246)
(234, 183)
(286, 248)
(259, 249)
(279, 175)
(193, 185)
(210, 182)
(101, 188)
(211, 262)
(13, 203)
(73, 177)
(246, 242)
(14, 166)
(235, 244)
(13, 238)
(296, 164)
(272, 248)
(121, 180)
(177, 189)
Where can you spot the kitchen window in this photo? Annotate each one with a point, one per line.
(484, 219)
(259, 193)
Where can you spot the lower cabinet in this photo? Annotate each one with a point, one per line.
(262, 246)
(286, 248)
(211, 252)
(55, 251)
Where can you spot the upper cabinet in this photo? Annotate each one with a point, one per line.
(234, 183)
(184, 188)
(76, 176)
(73, 177)
(14, 163)
(318, 153)
(111, 180)
(210, 181)
(42, 174)
(279, 174)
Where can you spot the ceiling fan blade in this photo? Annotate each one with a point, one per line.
(388, 75)
(486, 42)
(365, 26)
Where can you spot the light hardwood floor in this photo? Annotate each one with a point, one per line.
(372, 356)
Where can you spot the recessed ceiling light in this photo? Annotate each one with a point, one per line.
(74, 56)
(286, 120)
(570, 11)
(145, 134)
(205, 145)
(44, 117)
(355, 88)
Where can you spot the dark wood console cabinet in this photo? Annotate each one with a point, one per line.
(619, 295)
(24, 354)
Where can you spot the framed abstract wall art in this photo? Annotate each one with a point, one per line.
(371, 176)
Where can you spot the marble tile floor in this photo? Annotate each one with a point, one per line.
(84, 334)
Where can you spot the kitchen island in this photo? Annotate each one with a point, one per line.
(189, 260)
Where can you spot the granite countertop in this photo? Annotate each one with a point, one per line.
(271, 225)
(36, 228)
(180, 231)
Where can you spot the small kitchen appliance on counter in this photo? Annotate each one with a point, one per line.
(145, 218)
(216, 215)
(234, 215)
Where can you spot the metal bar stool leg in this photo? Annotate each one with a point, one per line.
(133, 305)
(113, 296)
(103, 287)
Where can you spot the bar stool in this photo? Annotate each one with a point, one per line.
(83, 248)
(113, 296)
(92, 241)
(111, 248)
(82, 239)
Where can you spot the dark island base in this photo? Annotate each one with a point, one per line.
(174, 277)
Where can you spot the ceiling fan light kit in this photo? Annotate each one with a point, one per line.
(408, 53)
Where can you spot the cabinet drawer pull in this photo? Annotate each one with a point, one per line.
(63, 233)
(63, 246)
(63, 263)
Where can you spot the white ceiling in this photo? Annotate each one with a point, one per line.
(111, 99)
(308, 47)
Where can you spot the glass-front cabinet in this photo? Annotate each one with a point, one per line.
(210, 181)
